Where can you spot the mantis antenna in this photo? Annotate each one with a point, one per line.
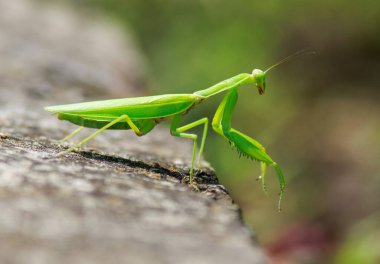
(307, 51)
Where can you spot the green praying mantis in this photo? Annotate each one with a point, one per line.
(142, 114)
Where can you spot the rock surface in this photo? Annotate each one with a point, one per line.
(121, 199)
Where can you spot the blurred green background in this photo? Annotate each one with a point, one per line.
(319, 118)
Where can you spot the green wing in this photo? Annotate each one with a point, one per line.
(136, 108)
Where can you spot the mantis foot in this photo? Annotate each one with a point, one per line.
(60, 154)
(194, 187)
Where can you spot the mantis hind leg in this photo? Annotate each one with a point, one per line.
(76, 131)
(178, 132)
(123, 117)
(245, 145)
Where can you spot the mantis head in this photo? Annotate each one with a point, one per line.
(259, 79)
(258, 76)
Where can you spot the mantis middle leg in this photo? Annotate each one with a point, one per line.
(123, 117)
(178, 132)
(245, 145)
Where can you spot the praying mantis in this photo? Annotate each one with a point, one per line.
(142, 114)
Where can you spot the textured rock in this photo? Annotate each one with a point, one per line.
(121, 199)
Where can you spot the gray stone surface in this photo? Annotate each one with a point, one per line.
(122, 199)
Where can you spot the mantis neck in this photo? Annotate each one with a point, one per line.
(233, 82)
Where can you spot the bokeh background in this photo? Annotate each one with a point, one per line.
(319, 119)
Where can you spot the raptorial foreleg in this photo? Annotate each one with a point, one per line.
(244, 144)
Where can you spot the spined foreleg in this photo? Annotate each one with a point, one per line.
(245, 145)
